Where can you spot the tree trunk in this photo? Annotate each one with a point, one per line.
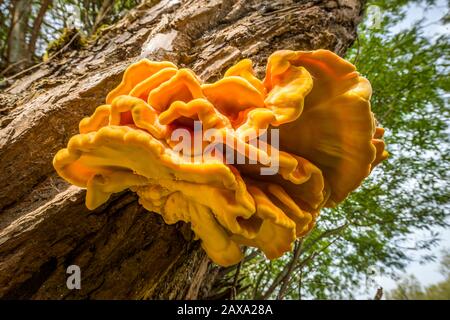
(17, 42)
(37, 23)
(124, 251)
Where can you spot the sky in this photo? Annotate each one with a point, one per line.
(426, 273)
(432, 16)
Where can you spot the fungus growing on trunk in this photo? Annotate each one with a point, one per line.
(197, 152)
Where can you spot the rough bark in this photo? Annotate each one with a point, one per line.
(122, 250)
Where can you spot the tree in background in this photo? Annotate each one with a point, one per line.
(28, 27)
(409, 288)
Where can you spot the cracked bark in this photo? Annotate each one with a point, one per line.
(122, 250)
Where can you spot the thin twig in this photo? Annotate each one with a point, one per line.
(223, 272)
(37, 26)
(314, 254)
(104, 10)
(358, 49)
(325, 234)
(286, 278)
(258, 282)
(233, 292)
(276, 282)
(12, 66)
(44, 62)
(300, 284)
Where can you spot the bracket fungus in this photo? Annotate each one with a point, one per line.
(326, 143)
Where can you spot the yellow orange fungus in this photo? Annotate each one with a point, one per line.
(328, 142)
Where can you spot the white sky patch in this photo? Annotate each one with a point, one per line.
(432, 16)
(427, 273)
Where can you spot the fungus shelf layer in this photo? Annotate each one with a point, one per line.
(168, 137)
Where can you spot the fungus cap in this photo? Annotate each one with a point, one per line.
(328, 143)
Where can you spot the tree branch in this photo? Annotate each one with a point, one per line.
(258, 282)
(37, 27)
(236, 277)
(326, 234)
(104, 10)
(285, 272)
(285, 280)
(44, 62)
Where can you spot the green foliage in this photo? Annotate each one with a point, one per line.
(408, 289)
(99, 31)
(90, 15)
(70, 37)
(49, 23)
(409, 192)
(4, 27)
